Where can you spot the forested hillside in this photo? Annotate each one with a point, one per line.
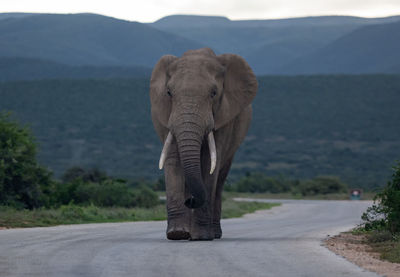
(291, 46)
(14, 69)
(302, 126)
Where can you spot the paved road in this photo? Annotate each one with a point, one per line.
(285, 241)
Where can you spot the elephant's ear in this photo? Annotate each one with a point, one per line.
(240, 87)
(160, 101)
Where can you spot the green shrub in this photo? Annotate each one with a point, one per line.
(379, 236)
(72, 212)
(66, 192)
(145, 197)
(93, 187)
(374, 218)
(322, 185)
(113, 193)
(385, 213)
(23, 182)
(104, 194)
(258, 182)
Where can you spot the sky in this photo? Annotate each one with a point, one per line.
(151, 10)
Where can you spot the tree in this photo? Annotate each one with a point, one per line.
(23, 182)
(93, 175)
(385, 213)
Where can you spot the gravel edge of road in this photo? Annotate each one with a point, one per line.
(352, 248)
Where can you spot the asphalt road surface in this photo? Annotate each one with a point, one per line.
(284, 241)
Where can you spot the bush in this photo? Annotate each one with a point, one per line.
(145, 197)
(23, 182)
(113, 193)
(258, 182)
(72, 212)
(104, 194)
(322, 185)
(94, 187)
(385, 213)
(92, 175)
(379, 236)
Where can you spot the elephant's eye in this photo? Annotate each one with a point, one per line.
(213, 93)
(169, 92)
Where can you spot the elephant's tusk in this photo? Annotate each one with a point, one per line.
(164, 152)
(213, 151)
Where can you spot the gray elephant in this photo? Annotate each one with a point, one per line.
(201, 110)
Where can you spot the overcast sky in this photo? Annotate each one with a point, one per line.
(151, 10)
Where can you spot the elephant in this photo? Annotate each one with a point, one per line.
(201, 111)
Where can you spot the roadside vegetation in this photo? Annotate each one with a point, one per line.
(259, 185)
(231, 208)
(24, 184)
(30, 196)
(381, 221)
(75, 214)
(266, 195)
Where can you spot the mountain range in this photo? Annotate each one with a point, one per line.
(309, 45)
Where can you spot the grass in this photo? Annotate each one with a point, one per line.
(73, 214)
(231, 208)
(384, 243)
(288, 195)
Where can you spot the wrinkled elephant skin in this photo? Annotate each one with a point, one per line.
(201, 110)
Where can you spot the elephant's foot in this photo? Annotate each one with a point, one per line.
(177, 229)
(202, 234)
(178, 234)
(217, 231)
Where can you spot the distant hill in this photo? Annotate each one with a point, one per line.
(243, 37)
(369, 49)
(191, 21)
(12, 69)
(14, 15)
(309, 45)
(272, 46)
(302, 126)
(87, 39)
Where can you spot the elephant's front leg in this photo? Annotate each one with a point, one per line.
(201, 220)
(178, 214)
(201, 223)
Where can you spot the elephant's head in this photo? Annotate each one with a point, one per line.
(191, 97)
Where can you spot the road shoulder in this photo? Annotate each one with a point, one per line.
(354, 250)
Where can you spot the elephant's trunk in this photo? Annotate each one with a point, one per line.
(189, 140)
